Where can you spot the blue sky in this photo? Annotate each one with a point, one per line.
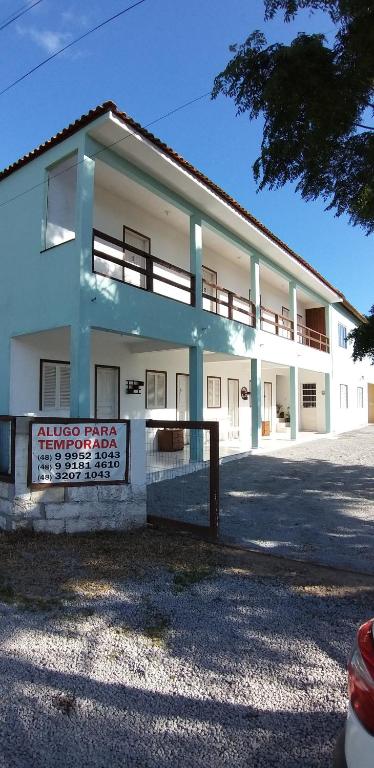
(154, 58)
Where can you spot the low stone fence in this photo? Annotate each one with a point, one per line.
(74, 509)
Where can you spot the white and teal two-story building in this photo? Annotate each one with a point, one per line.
(132, 286)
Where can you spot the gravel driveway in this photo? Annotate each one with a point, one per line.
(313, 501)
(222, 663)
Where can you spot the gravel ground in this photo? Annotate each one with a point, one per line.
(238, 662)
(313, 501)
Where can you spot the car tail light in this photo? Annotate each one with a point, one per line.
(361, 676)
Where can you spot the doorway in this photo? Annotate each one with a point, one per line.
(233, 408)
(268, 402)
(183, 396)
(371, 403)
(183, 401)
(107, 379)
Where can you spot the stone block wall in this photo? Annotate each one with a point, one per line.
(77, 509)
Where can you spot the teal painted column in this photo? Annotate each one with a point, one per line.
(328, 404)
(256, 401)
(80, 371)
(80, 332)
(294, 401)
(196, 364)
(196, 257)
(4, 375)
(85, 211)
(293, 307)
(255, 288)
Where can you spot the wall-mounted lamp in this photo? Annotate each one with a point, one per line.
(133, 386)
(244, 393)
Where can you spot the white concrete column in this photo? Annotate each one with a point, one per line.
(256, 401)
(293, 307)
(196, 258)
(255, 289)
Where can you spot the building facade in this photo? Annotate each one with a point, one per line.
(133, 287)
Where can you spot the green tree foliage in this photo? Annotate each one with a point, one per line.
(363, 339)
(317, 102)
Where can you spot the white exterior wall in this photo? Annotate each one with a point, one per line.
(345, 371)
(233, 277)
(111, 349)
(112, 213)
(312, 419)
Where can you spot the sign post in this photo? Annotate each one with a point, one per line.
(78, 452)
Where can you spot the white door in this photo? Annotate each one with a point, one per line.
(308, 407)
(183, 401)
(268, 402)
(183, 396)
(209, 281)
(107, 392)
(137, 240)
(233, 408)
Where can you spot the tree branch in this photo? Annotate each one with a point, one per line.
(366, 127)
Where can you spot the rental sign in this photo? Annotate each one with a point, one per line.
(74, 452)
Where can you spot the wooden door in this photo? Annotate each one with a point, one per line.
(316, 320)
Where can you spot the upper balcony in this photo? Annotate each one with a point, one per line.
(140, 240)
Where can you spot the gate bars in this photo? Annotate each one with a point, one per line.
(184, 462)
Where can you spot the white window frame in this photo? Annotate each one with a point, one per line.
(309, 395)
(342, 336)
(360, 397)
(343, 396)
(55, 174)
(160, 390)
(60, 366)
(213, 388)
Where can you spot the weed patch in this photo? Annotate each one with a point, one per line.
(187, 577)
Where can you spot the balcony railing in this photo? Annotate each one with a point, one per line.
(120, 261)
(282, 326)
(273, 322)
(228, 304)
(312, 338)
(123, 262)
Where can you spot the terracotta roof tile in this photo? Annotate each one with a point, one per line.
(110, 106)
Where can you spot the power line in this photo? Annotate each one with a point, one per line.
(108, 146)
(20, 12)
(69, 45)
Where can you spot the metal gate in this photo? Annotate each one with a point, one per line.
(183, 474)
